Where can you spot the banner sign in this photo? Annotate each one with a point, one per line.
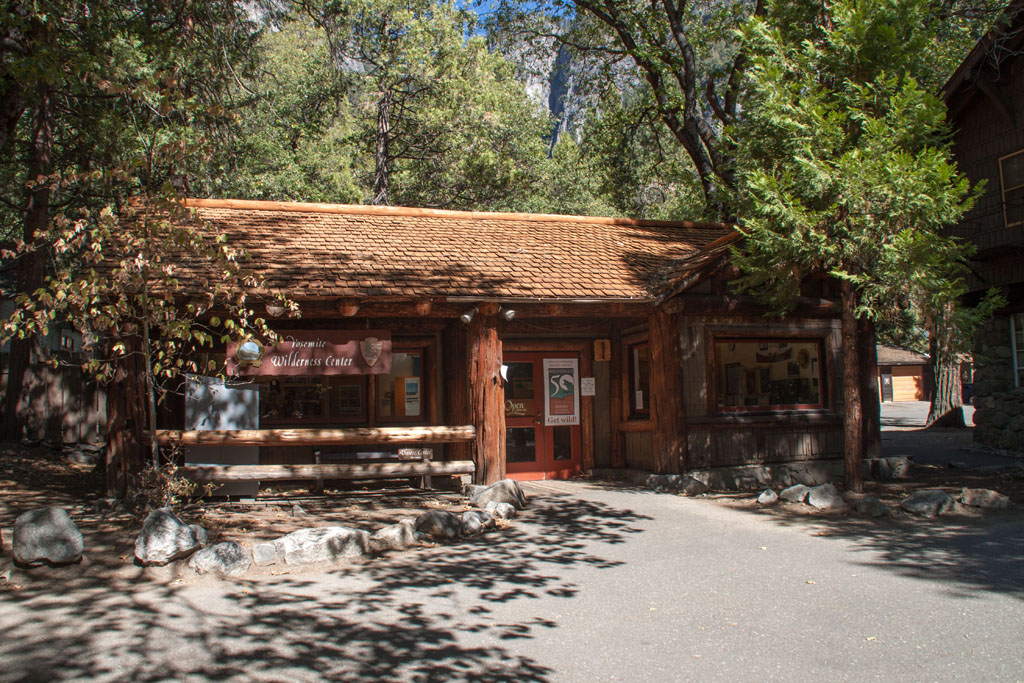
(314, 352)
(562, 405)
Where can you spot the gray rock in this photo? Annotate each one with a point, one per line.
(470, 490)
(662, 482)
(80, 457)
(299, 511)
(927, 503)
(164, 538)
(46, 536)
(501, 510)
(894, 468)
(202, 538)
(869, 505)
(103, 505)
(440, 525)
(223, 559)
(476, 522)
(826, 497)
(984, 498)
(322, 544)
(264, 554)
(394, 537)
(768, 497)
(692, 487)
(504, 491)
(797, 493)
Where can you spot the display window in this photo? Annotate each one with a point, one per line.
(768, 374)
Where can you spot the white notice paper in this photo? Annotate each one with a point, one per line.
(588, 386)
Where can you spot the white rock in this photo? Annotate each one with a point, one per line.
(501, 510)
(223, 559)
(46, 535)
(393, 537)
(264, 554)
(927, 503)
(322, 544)
(768, 497)
(164, 538)
(797, 493)
(984, 498)
(825, 497)
(504, 491)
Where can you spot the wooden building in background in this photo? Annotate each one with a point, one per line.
(570, 343)
(903, 375)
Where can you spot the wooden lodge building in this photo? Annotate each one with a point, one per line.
(570, 343)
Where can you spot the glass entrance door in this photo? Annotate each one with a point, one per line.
(534, 450)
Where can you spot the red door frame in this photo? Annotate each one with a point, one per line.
(544, 466)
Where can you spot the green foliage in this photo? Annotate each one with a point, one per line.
(842, 158)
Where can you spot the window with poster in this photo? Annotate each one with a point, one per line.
(768, 374)
(399, 396)
(639, 359)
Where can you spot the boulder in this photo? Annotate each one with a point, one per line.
(322, 544)
(927, 503)
(501, 510)
(164, 538)
(797, 493)
(692, 487)
(223, 559)
(869, 505)
(894, 468)
(440, 525)
(264, 554)
(46, 536)
(825, 497)
(504, 491)
(768, 497)
(476, 522)
(394, 537)
(984, 498)
(202, 538)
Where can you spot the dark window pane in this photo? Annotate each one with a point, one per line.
(563, 443)
(519, 401)
(520, 444)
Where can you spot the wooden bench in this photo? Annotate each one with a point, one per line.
(353, 468)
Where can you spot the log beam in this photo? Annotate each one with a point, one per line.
(389, 470)
(667, 393)
(316, 437)
(487, 395)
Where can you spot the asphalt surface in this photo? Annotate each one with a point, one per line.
(591, 583)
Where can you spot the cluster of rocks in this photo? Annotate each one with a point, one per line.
(49, 536)
(925, 503)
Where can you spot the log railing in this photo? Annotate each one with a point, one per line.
(321, 437)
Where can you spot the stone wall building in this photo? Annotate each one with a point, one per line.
(985, 97)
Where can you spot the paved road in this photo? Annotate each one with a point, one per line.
(591, 584)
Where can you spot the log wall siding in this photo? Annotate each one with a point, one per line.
(745, 440)
(60, 405)
(639, 451)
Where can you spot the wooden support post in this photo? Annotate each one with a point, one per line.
(487, 394)
(587, 409)
(456, 386)
(617, 400)
(667, 392)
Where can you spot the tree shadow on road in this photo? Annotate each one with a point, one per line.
(424, 615)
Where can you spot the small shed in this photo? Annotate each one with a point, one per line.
(903, 375)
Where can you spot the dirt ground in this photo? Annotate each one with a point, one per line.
(40, 477)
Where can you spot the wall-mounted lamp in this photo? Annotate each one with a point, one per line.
(423, 306)
(467, 317)
(275, 310)
(348, 307)
(506, 313)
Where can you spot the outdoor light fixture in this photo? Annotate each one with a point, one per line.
(506, 313)
(467, 317)
(275, 310)
(348, 307)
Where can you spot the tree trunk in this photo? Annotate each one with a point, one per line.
(870, 403)
(946, 408)
(381, 181)
(127, 405)
(852, 427)
(30, 266)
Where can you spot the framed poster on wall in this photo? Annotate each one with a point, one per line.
(562, 397)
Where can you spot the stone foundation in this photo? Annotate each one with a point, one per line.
(999, 406)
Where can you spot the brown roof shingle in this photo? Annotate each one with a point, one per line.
(319, 251)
